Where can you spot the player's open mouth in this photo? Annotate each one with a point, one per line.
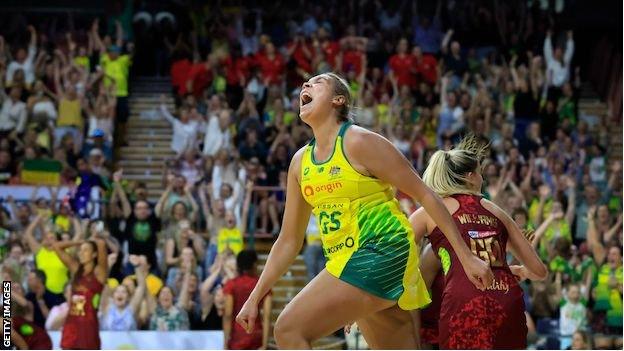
(306, 98)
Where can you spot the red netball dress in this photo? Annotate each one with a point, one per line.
(35, 337)
(430, 315)
(470, 318)
(81, 329)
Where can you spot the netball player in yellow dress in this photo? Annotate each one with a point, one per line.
(345, 175)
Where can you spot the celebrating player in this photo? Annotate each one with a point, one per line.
(345, 175)
(89, 272)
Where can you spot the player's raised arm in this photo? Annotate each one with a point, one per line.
(382, 160)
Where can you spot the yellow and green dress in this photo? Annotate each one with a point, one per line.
(367, 240)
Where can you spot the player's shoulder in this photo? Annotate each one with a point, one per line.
(494, 209)
(297, 159)
(358, 137)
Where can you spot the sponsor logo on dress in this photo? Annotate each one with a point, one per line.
(334, 171)
(348, 243)
(306, 171)
(499, 285)
(309, 190)
(475, 234)
(320, 169)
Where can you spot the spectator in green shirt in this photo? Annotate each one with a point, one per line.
(607, 291)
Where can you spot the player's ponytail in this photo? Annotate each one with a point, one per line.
(447, 171)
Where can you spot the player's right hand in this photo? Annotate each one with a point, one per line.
(479, 272)
(519, 272)
(247, 316)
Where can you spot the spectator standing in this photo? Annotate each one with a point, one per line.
(116, 67)
(13, 113)
(119, 312)
(401, 65)
(607, 291)
(167, 316)
(46, 259)
(217, 135)
(572, 311)
(24, 60)
(558, 61)
(41, 298)
(184, 129)
(142, 225)
(236, 293)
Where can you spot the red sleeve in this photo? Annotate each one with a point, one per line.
(256, 60)
(179, 71)
(392, 63)
(228, 288)
(281, 62)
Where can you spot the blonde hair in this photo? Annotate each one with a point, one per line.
(447, 171)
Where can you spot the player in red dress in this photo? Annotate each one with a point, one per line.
(470, 318)
(89, 272)
(28, 335)
(434, 279)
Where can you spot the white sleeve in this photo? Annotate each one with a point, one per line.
(164, 111)
(210, 136)
(216, 181)
(21, 119)
(32, 52)
(548, 51)
(9, 73)
(569, 52)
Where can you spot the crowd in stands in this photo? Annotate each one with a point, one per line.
(422, 74)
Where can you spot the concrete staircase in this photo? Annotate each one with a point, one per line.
(148, 139)
(283, 292)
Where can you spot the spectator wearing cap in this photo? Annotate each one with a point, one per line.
(99, 141)
(97, 163)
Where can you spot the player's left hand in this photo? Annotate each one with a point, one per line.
(478, 272)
